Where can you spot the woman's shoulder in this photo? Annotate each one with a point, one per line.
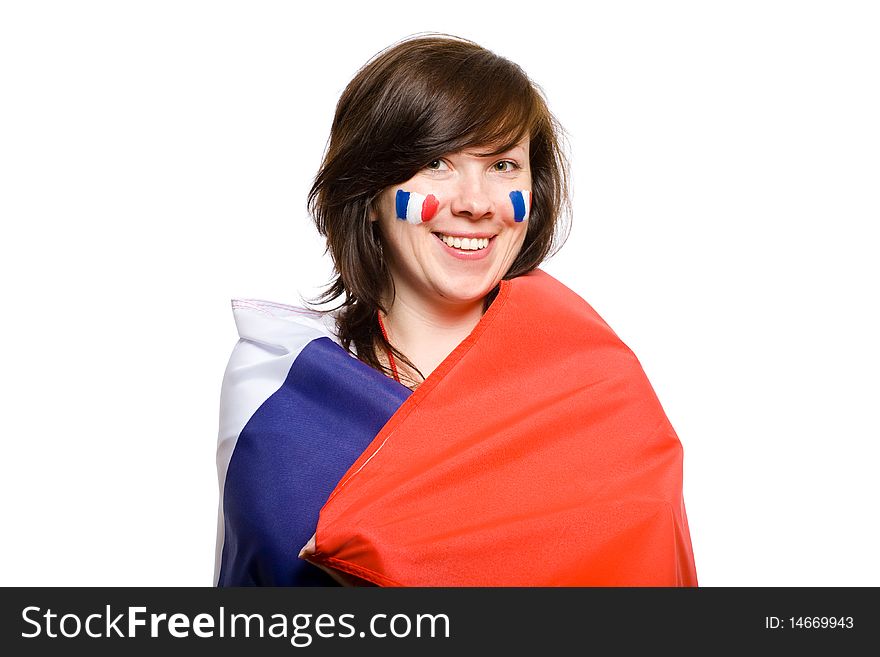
(272, 337)
(556, 306)
(547, 292)
(281, 325)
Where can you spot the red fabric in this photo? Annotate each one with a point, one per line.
(537, 454)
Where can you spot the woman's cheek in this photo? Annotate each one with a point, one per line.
(521, 200)
(416, 208)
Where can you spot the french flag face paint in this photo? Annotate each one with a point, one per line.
(416, 208)
(522, 204)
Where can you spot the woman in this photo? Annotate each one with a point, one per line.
(461, 418)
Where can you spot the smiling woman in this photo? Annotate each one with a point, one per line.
(443, 119)
(460, 417)
(443, 267)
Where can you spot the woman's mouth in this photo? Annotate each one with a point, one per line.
(464, 243)
(465, 248)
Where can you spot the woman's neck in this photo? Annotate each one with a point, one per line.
(428, 333)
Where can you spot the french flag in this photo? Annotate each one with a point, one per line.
(522, 204)
(416, 208)
(296, 410)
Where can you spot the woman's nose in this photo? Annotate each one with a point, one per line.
(471, 198)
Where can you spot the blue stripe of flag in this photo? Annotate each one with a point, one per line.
(402, 203)
(519, 205)
(290, 456)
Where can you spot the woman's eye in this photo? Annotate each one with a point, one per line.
(436, 165)
(505, 166)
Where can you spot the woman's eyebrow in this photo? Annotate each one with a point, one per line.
(518, 150)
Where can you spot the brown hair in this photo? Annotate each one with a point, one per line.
(415, 101)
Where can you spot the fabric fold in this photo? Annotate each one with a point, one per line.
(296, 410)
(536, 454)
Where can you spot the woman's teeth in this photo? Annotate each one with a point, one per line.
(465, 244)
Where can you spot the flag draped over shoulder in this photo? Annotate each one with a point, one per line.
(296, 410)
(536, 454)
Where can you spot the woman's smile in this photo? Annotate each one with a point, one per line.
(465, 248)
(452, 231)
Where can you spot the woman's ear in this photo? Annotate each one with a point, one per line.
(373, 208)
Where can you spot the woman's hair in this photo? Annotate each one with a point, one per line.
(415, 101)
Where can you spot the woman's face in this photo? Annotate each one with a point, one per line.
(473, 200)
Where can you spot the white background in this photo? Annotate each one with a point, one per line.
(154, 162)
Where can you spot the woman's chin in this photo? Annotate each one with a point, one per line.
(465, 290)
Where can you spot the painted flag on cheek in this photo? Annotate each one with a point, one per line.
(415, 208)
(522, 204)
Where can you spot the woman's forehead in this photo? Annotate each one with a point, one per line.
(496, 149)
